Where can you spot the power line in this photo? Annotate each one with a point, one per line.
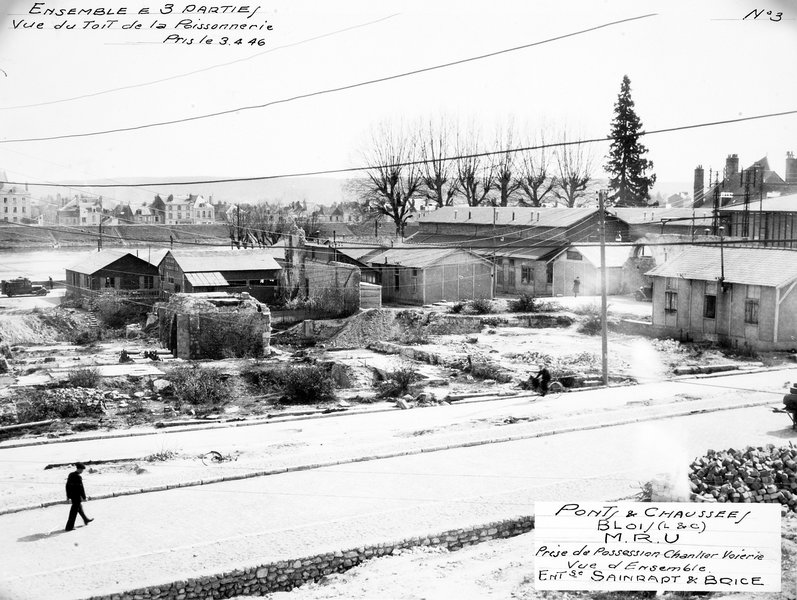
(203, 70)
(408, 163)
(331, 90)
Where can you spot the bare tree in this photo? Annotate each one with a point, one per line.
(535, 172)
(439, 179)
(392, 180)
(506, 176)
(574, 171)
(475, 174)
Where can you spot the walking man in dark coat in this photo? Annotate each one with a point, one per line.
(76, 494)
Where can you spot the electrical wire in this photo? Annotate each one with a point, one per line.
(407, 163)
(331, 90)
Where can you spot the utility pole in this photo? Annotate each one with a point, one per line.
(604, 325)
(99, 231)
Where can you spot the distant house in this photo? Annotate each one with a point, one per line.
(115, 271)
(743, 297)
(584, 262)
(15, 203)
(123, 214)
(412, 275)
(253, 271)
(754, 182)
(145, 216)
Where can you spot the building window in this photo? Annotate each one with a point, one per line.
(396, 279)
(149, 282)
(526, 274)
(710, 307)
(549, 273)
(670, 301)
(751, 311)
(110, 282)
(573, 255)
(511, 281)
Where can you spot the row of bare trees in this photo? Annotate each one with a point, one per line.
(445, 163)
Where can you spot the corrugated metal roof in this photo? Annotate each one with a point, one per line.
(227, 260)
(641, 216)
(508, 215)
(530, 249)
(786, 203)
(97, 261)
(407, 256)
(616, 256)
(206, 279)
(751, 266)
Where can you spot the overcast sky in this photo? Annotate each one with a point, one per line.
(687, 65)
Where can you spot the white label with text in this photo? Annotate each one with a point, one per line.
(672, 546)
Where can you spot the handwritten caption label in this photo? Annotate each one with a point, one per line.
(672, 546)
(170, 23)
(763, 13)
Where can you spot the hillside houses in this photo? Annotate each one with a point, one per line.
(15, 203)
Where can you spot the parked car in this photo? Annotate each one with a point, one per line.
(21, 286)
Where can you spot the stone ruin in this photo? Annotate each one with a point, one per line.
(214, 325)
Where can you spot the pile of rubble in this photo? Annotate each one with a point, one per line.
(762, 474)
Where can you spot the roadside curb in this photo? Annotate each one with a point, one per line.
(395, 454)
(291, 419)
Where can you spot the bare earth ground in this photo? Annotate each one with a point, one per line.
(498, 569)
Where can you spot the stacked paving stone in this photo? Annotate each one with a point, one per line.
(288, 574)
(762, 474)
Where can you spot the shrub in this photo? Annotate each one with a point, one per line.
(264, 378)
(398, 383)
(199, 386)
(591, 325)
(524, 303)
(85, 337)
(40, 405)
(308, 385)
(87, 377)
(593, 309)
(481, 369)
(457, 307)
(548, 306)
(480, 306)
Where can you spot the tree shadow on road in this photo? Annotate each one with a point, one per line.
(35, 537)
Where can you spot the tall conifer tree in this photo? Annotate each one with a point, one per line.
(626, 163)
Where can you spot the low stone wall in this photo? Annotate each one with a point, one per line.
(288, 574)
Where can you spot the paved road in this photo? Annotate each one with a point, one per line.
(280, 445)
(160, 537)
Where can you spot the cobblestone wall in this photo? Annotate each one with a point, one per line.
(288, 574)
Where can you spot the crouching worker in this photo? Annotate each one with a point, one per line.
(541, 380)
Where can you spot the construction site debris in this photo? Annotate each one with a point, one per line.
(755, 474)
